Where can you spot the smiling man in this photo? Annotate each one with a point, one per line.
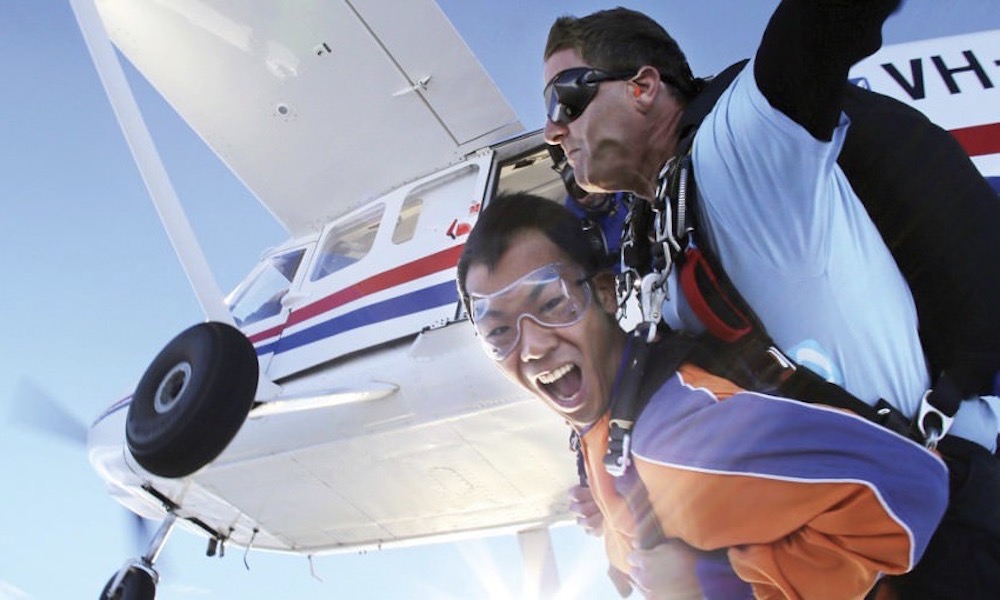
(765, 480)
(826, 207)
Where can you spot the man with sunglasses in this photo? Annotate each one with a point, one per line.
(786, 223)
(764, 480)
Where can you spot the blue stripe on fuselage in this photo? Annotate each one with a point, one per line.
(400, 306)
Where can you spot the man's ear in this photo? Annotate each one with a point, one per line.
(606, 291)
(645, 85)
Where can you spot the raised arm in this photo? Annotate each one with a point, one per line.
(806, 52)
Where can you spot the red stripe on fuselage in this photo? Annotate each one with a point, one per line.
(396, 276)
(980, 139)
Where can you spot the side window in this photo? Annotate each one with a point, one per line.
(406, 224)
(347, 242)
(440, 210)
(262, 297)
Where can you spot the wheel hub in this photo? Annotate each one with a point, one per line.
(172, 387)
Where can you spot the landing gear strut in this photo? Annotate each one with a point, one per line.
(137, 579)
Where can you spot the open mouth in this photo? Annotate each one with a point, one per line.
(562, 384)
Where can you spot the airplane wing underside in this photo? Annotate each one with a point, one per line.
(297, 97)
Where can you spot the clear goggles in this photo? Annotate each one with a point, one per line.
(552, 296)
(569, 93)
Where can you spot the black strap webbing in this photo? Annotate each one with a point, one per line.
(646, 368)
(638, 381)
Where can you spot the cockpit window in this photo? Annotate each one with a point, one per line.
(347, 242)
(406, 224)
(261, 298)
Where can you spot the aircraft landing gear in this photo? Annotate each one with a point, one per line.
(192, 400)
(137, 579)
(137, 582)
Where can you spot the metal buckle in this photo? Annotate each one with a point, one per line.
(932, 432)
(652, 293)
(618, 458)
(784, 363)
(773, 368)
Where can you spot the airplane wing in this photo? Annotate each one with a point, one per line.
(954, 81)
(282, 90)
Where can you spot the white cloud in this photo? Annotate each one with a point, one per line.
(9, 591)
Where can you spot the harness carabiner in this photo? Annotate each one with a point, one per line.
(932, 423)
(652, 294)
(619, 456)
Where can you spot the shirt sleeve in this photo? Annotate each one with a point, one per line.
(765, 183)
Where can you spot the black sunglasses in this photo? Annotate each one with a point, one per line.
(569, 92)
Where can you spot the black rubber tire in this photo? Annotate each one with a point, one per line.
(138, 584)
(192, 400)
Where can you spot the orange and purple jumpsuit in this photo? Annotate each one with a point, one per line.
(806, 500)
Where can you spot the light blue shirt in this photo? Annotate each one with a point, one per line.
(798, 244)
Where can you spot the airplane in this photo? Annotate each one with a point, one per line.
(368, 416)
(365, 395)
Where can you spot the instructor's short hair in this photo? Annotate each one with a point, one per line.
(620, 39)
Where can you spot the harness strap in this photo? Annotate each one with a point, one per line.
(638, 380)
(709, 303)
(727, 316)
(626, 404)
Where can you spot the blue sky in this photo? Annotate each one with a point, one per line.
(91, 291)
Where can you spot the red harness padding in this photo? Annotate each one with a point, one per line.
(710, 298)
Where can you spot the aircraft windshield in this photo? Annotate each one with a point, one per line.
(261, 298)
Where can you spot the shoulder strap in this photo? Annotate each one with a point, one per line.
(647, 366)
(727, 317)
(719, 305)
(638, 380)
(702, 104)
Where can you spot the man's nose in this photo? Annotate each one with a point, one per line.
(553, 132)
(536, 339)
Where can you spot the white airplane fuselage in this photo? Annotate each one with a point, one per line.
(392, 425)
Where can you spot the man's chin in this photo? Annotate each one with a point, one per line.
(592, 188)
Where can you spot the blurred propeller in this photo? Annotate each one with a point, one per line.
(33, 407)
